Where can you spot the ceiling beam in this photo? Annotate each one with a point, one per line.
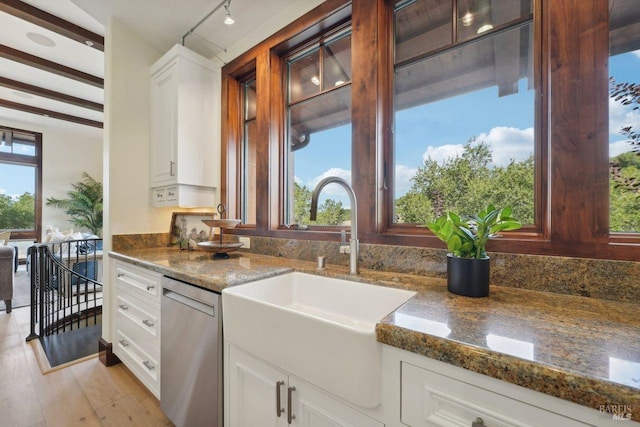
(51, 22)
(50, 94)
(49, 113)
(52, 67)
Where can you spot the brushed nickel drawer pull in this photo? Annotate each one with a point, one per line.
(123, 307)
(120, 275)
(147, 322)
(148, 365)
(124, 343)
(290, 416)
(279, 408)
(479, 422)
(150, 287)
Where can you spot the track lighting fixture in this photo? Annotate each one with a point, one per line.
(228, 20)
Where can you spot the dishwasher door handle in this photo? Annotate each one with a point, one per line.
(189, 302)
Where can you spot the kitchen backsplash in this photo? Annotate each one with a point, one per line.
(595, 278)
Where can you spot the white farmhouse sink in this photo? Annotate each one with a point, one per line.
(318, 328)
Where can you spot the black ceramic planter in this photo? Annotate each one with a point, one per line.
(468, 277)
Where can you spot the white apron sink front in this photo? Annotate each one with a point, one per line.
(318, 328)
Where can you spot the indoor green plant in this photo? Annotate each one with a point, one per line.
(466, 237)
(84, 205)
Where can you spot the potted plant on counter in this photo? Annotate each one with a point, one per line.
(466, 237)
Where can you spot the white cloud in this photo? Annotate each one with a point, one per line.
(506, 143)
(619, 147)
(3, 191)
(331, 189)
(443, 153)
(403, 179)
(621, 116)
(636, 53)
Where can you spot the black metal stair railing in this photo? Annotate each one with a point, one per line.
(66, 286)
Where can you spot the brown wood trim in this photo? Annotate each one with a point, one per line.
(51, 22)
(49, 66)
(106, 354)
(54, 114)
(50, 94)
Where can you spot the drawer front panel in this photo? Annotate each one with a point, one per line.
(139, 282)
(139, 314)
(145, 366)
(431, 399)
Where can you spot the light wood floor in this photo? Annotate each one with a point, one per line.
(84, 394)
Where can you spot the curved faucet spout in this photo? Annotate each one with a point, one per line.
(353, 242)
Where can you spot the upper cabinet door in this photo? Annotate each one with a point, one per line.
(185, 120)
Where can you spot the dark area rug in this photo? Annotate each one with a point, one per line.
(21, 289)
(71, 345)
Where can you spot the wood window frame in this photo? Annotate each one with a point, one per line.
(36, 162)
(572, 172)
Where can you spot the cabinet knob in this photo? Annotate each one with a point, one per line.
(479, 422)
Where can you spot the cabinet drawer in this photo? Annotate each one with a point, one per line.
(140, 314)
(139, 282)
(136, 356)
(159, 197)
(431, 399)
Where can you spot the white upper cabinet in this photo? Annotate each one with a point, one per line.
(185, 129)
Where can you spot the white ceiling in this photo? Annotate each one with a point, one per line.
(162, 23)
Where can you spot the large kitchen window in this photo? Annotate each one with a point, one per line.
(318, 141)
(464, 108)
(20, 183)
(624, 116)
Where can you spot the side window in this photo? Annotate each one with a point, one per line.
(624, 116)
(20, 183)
(318, 133)
(464, 108)
(248, 154)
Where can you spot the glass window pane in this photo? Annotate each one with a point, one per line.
(336, 66)
(249, 167)
(304, 76)
(250, 100)
(421, 27)
(17, 197)
(478, 16)
(319, 146)
(464, 130)
(624, 116)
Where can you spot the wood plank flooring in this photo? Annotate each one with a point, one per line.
(84, 394)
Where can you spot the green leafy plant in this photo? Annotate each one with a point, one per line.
(466, 236)
(84, 204)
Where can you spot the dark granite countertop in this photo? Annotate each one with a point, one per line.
(584, 350)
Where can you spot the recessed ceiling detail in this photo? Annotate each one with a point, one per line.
(40, 39)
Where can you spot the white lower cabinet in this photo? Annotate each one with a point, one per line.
(137, 322)
(432, 399)
(259, 394)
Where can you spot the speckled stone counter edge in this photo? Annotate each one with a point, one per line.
(594, 278)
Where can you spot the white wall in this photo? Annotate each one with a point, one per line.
(66, 153)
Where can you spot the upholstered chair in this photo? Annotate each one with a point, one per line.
(6, 275)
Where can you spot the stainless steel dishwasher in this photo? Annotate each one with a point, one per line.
(190, 355)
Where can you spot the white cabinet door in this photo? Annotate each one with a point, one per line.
(253, 392)
(164, 126)
(259, 396)
(430, 399)
(314, 408)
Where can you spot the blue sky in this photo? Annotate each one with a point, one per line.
(436, 130)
